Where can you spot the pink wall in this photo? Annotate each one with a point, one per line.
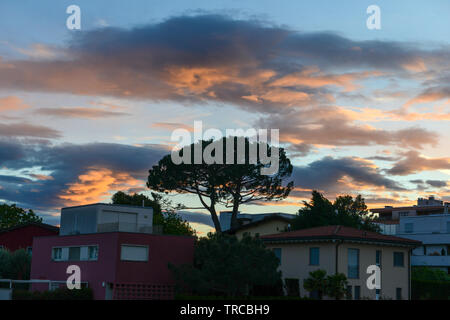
(108, 267)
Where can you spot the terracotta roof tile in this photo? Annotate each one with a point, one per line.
(337, 232)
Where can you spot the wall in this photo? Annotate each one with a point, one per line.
(295, 260)
(295, 264)
(391, 277)
(95, 272)
(109, 268)
(264, 228)
(23, 237)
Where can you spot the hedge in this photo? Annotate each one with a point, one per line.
(430, 290)
(58, 294)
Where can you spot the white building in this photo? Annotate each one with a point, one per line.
(101, 217)
(434, 232)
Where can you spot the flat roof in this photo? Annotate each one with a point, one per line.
(107, 204)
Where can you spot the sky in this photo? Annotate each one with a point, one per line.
(85, 113)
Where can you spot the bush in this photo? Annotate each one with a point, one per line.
(226, 266)
(58, 294)
(430, 290)
(15, 265)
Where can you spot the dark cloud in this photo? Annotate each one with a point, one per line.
(213, 58)
(10, 151)
(334, 126)
(327, 173)
(437, 183)
(27, 130)
(79, 112)
(66, 162)
(413, 162)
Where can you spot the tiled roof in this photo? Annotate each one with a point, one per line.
(37, 224)
(337, 232)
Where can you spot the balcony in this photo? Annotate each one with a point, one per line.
(128, 227)
(432, 261)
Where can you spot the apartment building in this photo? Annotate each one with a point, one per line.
(434, 233)
(339, 249)
(118, 254)
(389, 216)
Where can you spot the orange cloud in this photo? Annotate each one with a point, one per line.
(313, 78)
(12, 103)
(96, 185)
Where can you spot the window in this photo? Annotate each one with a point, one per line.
(409, 227)
(74, 253)
(134, 253)
(92, 252)
(57, 254)
(378, 258)
(314, 256)
(403, 213)
(398, 293)
(399, 259)
(353, 264)
(30, 250)
(357, 292)
(277, 252)
(377, 294)
(348, 293)
(448, 226)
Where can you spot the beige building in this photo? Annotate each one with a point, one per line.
(269, 225)
(338, 249)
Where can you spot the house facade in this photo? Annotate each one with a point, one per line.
(21, 236)
(270, 224)
(118, 259)
(338, 249)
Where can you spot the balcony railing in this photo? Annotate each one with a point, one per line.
(128, 227)
(436, 261)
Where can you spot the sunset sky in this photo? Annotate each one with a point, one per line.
(85, 113)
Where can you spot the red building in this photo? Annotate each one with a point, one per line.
(21, 236)
(116, 250)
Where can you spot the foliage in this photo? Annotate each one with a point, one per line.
(333, 286)
(429, 283)
(11, 215)
(58, 294)
(427, 273)
(430, 290)
(345, 211)
(316, 282)
(171, 222)
(226, 266)
(227, 184)
(336, 285)
(15, 265)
